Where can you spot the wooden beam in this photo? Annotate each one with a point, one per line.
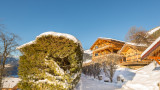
(157, 61)
(155, 58)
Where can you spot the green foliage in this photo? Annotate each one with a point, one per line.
(50, 64)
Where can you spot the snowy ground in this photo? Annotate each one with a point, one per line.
(145, 78)
(89, 83)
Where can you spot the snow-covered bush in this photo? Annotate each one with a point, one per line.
(52, 62)
(120, 78)
(93, 69)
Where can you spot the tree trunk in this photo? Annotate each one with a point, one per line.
(1, 78)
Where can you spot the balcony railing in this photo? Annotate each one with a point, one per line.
(102, 48)
(143, 62)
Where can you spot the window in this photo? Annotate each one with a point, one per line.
(115, 51)
(96, 47)
(96, 54)
(124, 59)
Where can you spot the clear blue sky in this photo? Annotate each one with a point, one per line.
(85, 19)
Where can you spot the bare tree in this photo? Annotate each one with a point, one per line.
(138, 36)
(109, 64)
(8, 44)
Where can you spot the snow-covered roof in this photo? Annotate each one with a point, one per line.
(68, 36)
(110, 39)
(150, 47)
(10, 82)
(154, 30)
(135, 44)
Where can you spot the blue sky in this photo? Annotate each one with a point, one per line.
(85, 19)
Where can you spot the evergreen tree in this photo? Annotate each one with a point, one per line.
(50, 63)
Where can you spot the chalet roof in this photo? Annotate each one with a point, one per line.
(153, 30)
(152, 47)
(135, 44)
(103, 38)
(111, 39)
(10, 82)
(138, 46)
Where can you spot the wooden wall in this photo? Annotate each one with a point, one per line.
(103, 47)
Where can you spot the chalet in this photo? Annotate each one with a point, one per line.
(103, 46)
(153, 51)
(132, 55)
(10, 83)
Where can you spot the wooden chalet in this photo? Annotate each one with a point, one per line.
(153, 51)
(131, 53)
(14, 88)
(10, 83)
(103, 46)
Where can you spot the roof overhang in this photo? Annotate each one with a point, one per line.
(151, 48)
(107, 39)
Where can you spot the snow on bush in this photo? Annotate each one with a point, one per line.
(51, 62)
(93, 69)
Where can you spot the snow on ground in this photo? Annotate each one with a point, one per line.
(146, 78)
(127, 73)
(89, 83)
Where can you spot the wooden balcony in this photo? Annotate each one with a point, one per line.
(135, 63)
(101, 57)
(102, 48)
(98, 57)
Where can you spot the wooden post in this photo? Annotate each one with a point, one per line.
(159, 85)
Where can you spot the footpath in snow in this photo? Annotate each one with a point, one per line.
(93, 84)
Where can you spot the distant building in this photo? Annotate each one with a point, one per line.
(131, 53)
(104, 46)
(10, 83)
(153, 51)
